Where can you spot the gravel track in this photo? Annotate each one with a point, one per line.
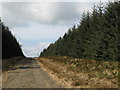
(28, 74)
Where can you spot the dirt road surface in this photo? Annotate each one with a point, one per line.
(28, 74)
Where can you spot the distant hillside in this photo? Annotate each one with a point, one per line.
(10, 46)
(96, 37)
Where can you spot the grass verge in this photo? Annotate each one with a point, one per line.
(80, 73)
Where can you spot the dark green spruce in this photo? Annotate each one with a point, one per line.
(10, 46)
(96, 37)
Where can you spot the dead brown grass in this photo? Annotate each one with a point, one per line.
(79, 73)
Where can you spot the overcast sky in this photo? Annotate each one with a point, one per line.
(36, 25)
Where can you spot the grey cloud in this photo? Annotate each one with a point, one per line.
(40, 19)
(15, 14)
(36, 49)
(22, 13)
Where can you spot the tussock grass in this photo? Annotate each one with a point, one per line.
(84, 73)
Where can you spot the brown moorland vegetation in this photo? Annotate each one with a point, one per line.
(75, 72)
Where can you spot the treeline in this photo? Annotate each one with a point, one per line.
(10, 46)
(96, 37)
